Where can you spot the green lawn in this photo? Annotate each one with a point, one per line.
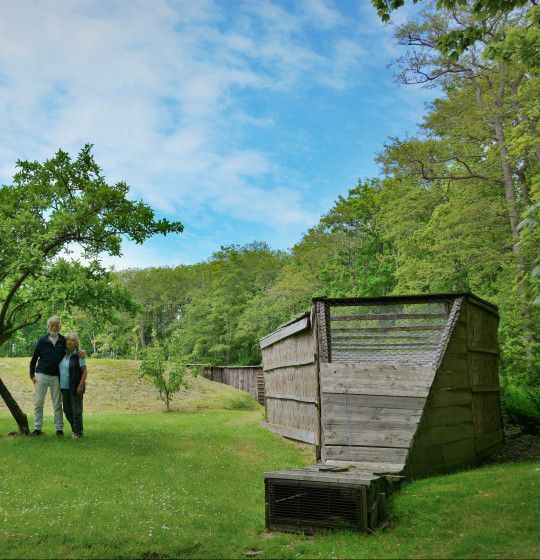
(190, 485)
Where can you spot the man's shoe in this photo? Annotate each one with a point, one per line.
(36, 433)
(76, 436)
(60, 433)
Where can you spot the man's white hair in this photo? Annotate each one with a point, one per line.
(53, 319)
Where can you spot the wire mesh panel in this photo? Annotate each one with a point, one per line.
(395, 331)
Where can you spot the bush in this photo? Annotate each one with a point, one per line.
(521, 407)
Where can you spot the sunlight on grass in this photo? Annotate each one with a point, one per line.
(191, 486)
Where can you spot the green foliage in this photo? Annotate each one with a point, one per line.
(453, 43)
(168, 377)
(47, 209)
(521, 407)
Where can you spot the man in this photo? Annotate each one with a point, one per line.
(45, 373)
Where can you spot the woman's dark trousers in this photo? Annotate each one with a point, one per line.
(73, 409)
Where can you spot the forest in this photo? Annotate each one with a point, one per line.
(455, 207)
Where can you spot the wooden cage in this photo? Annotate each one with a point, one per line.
(389, 386)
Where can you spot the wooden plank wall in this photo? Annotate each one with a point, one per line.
(370, 412)
(245, 378)
(462, 418)
(483, 367)
(291, 385)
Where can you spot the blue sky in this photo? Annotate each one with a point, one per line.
(243, 119)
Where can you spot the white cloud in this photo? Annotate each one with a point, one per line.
(157, 87)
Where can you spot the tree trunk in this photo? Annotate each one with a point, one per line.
(17, 413)
(513, 220)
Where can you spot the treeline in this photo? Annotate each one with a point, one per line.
(456, 208)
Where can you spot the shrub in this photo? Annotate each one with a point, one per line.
(521, 407)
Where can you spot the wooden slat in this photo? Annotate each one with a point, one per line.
(379, 434)
(361, 379)
(290, 364)
(394, 455)
(291, 397)
(484, 350)
(360, 336)
(387, 328)
(392, 345)
(284, 332)
(450, 397)
(489, 440)
(387, 316)
(292, 433)
(373, 402)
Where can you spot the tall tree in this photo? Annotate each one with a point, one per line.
(50, 209)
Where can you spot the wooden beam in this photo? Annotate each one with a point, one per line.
(438, 327)
(387, 316)
(290, 397)
(292, 433)
(291, 364)
(285, 332)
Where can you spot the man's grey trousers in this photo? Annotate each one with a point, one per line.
(43, 382)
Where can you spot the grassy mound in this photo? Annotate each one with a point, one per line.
(190, 486)
(115, 386)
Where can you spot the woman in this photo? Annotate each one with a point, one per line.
(73, 375)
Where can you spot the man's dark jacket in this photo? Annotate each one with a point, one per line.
(47, 356)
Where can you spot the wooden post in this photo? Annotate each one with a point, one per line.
(17, 413)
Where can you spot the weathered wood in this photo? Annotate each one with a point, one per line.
(390, 345)
(483, 350)
(450, 397)
(295, 380)
(379, 435)
(298, 415)
(373, 402)
(448, 415)
(386, 316)
(375, 372)
(489, 440)
(360, 336)
(292, 433)
(290, 364)
(364, 505)
(393, 455)
(290, 397)
(390, 328)
(285, 332)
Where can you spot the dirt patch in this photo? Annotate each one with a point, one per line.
(517, 447)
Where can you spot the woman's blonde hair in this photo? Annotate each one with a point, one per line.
(75, 337)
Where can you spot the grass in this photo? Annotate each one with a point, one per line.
(115, 386)
(152, 485)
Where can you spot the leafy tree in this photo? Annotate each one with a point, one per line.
(167, 377)
(225, 286)
(454, 41)
(48, 210)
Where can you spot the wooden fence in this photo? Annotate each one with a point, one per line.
(245, 378)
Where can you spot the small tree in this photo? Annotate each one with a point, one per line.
(167, 376)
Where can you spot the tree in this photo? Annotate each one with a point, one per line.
(467, 134)
(453, 42)
(49, 210)
(168, 377)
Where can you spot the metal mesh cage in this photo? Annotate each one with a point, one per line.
(396, 331)
(300, 506)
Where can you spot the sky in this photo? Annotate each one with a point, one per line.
(242, 119)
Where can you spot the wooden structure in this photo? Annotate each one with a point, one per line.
(245, 378)
(391, 386)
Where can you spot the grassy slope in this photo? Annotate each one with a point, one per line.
(115, 386)
(190, 485)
